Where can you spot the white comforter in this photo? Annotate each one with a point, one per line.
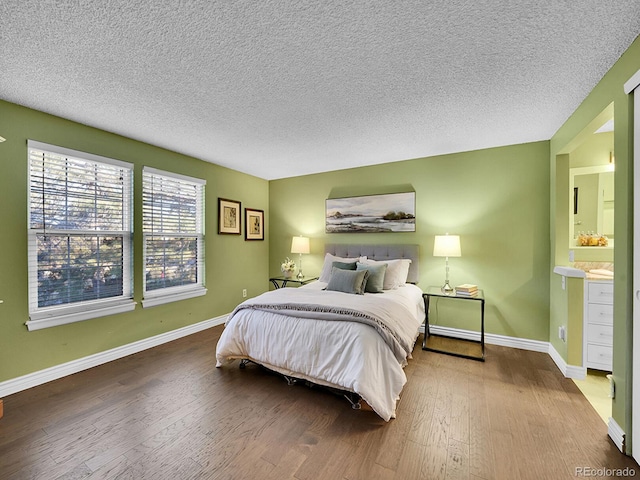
(327, 348)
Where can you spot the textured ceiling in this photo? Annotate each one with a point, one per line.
(281, 88)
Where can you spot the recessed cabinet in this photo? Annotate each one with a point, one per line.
(598, 325)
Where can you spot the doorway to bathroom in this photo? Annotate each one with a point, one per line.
(590, 158)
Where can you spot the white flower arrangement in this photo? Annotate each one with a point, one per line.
(288, 265)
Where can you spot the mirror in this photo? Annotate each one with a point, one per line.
(592, 201)
(591, 184)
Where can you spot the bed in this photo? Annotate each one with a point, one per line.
(356, 342)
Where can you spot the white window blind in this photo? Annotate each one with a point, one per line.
(79, 235)
(173, 228)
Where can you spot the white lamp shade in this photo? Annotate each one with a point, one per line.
(447, 246)
(300, 245)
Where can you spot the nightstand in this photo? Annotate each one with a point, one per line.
(281, 282)
(449, 345)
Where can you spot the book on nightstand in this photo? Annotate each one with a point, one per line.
(467, 290)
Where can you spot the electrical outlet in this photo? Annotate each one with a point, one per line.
(562, 333)
(571, 256)
(244, 293)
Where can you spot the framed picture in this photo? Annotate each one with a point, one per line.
(392, 212)
(253, 224)
(229, 220)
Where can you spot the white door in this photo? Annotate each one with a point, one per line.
(633, 85)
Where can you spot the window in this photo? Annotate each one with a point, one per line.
(79, 236)
(173, 228)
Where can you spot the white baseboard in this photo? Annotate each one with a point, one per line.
(616, 434)
(53, 373)
(30, 380)
(491, 338)
(569, 371)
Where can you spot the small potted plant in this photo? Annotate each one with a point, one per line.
(288, 267)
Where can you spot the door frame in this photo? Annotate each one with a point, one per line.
(632, 86)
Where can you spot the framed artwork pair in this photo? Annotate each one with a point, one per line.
(230, 221)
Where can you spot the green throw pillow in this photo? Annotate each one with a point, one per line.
(348, 281)
(375, 280)
(344, 265)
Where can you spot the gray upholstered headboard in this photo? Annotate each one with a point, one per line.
(380, 252)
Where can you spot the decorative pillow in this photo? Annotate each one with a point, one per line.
(325, 274)
(396, 274)
(348, 281)
(343, 265)
(375, 280)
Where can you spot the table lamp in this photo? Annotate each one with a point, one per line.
(447, 246)
(300, 245)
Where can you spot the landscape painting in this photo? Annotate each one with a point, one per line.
(393, 212)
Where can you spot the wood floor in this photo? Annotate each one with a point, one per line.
(168, 413)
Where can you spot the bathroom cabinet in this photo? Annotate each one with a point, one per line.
(598, 325)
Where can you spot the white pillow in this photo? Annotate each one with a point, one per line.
(325, 274)
(396, 274)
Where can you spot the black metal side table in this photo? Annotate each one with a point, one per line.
(281, 282)
(437, 292)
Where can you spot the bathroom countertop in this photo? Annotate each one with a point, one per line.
(593, 270)
(588, 270)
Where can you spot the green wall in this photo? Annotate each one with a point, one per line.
(497, 200)
(231, 262)
(609, 90)
(593, 151)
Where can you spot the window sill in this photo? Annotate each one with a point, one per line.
(64, 315)
(159, 298)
